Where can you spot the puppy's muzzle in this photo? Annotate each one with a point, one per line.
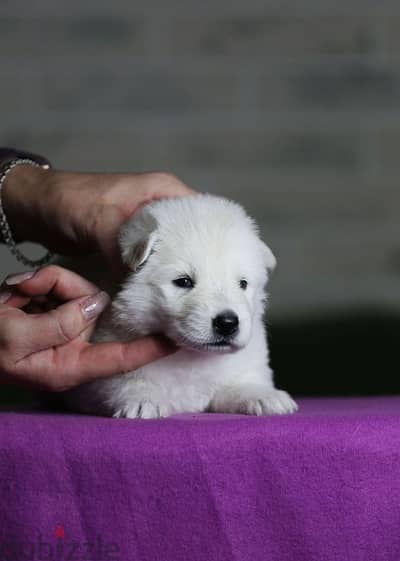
(226, 323)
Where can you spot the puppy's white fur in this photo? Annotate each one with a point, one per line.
(212, 241)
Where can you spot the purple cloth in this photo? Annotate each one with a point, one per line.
(323, 484)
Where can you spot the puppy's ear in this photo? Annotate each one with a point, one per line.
(137, 238)
(269, 258)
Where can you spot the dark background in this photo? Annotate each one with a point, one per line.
(292, 109)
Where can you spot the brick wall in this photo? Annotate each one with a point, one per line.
(291, 108)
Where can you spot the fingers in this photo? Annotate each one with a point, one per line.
(52, 280)
(62, 368)
(59, 326)
(51, 349)
(167, 185)
(161, 186)
(10, 298)
(133, 193)
(50, 284)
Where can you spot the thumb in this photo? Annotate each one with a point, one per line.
(64, 323)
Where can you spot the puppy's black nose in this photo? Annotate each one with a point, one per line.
(226, 323)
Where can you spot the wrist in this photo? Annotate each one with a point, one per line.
(23, 191)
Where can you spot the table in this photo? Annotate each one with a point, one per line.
(323, 484)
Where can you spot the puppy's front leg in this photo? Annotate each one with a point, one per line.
(252, 399)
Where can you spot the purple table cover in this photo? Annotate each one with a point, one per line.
(323, 484)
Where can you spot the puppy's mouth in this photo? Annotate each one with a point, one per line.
(220, 346)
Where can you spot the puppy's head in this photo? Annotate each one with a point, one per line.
(198, 272)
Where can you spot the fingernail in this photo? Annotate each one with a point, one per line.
(20, 277)
(4, 296)
(94, 305)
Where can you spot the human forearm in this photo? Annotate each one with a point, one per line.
(73, 213)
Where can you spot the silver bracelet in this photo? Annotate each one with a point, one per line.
(4, 226)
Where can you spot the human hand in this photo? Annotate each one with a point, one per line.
(51, 349)
(78, 213)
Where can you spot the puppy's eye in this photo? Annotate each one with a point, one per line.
(184, 282)
(243, 284)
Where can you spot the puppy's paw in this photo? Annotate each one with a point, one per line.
(252, 400)
(141, 409)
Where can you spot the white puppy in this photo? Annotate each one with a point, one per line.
(198, 274)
